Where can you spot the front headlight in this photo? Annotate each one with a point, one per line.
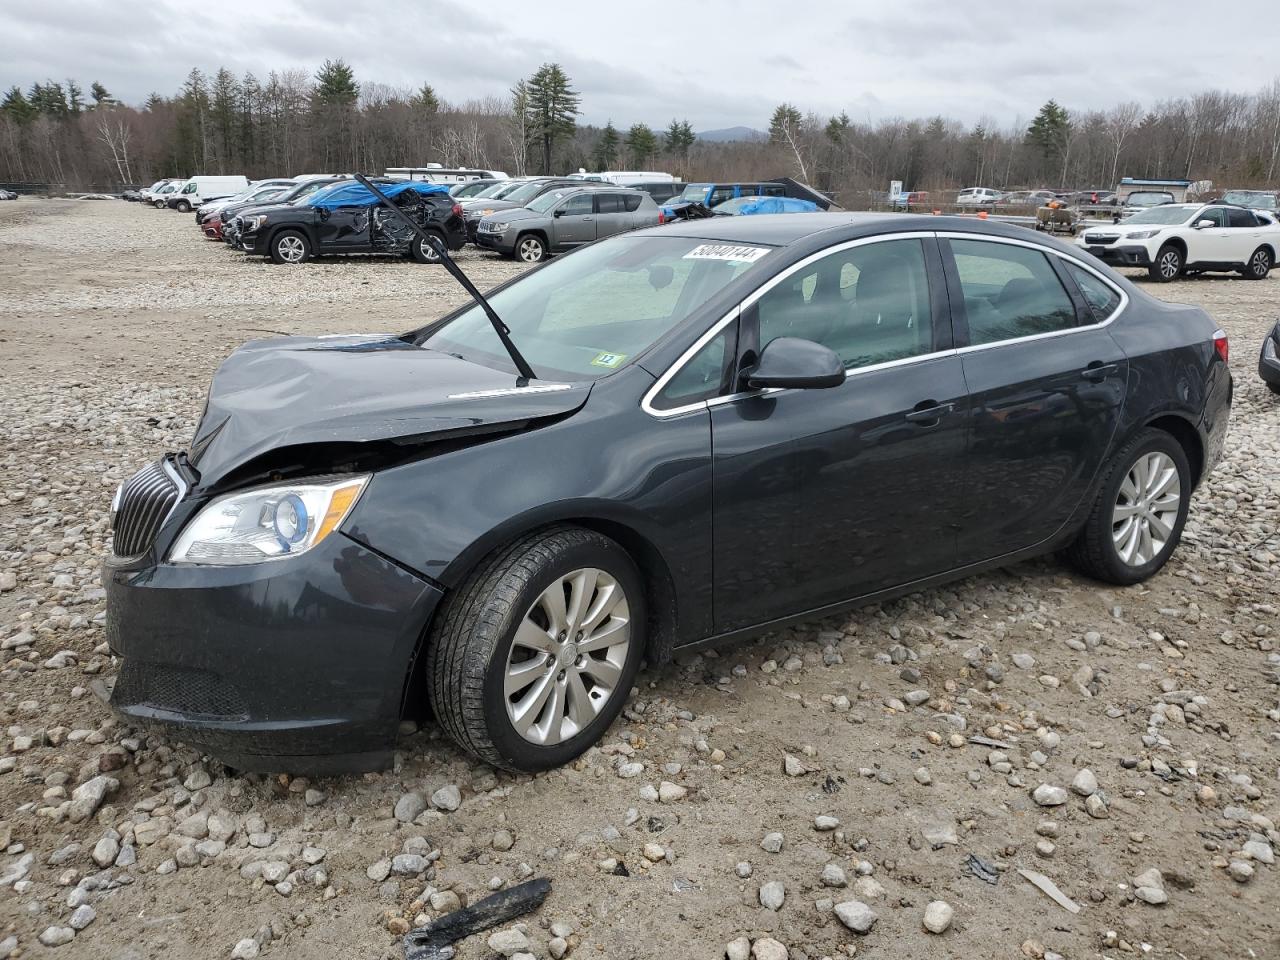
(1142, 235)
(250, 224)
(267, 523)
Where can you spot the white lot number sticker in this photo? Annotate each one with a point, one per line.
(726, 251)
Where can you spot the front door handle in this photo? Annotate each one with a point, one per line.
(1097, 371)
(929, 412)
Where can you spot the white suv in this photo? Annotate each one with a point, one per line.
(1177, 238)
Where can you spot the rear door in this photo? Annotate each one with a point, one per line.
(611, 214)
(825, 495)
(1046, 386)
(575, 221)
(1244, 233)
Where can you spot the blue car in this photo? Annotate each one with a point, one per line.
(711, 195)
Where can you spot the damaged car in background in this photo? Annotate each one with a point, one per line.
(642, 447)
(347, 218)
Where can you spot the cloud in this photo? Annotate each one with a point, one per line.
(716, 63)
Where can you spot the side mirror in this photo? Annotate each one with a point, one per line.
(789, 362)
(558, 212)
(1201, 224)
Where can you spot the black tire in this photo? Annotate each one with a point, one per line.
(1274, 388)
(183, 207)
(290, 246)
(1168, 264)
(1258, 266)
(530, 248)
(1094, 551)
(423, 252)
(468, 647)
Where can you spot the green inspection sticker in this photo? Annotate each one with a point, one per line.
(608, 360)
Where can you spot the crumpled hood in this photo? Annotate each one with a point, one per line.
(295, 391)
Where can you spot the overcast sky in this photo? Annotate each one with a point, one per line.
(715, 63)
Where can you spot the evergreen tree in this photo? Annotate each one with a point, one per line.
(17, 107)
(49, 99)
(606, 152)
(1049, 130)
(553, 107)
(224, 113)
(75, 98)
(154, 101)
(785, 117)
(100, 96)
(336, 84)
(425, 99)
(679, 137)
(837, 129)
(642, 143)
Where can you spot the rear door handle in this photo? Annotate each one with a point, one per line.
(1099, 371)
(929, 413)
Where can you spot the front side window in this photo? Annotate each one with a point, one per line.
(869, 303)
(705, 375)
(1215, 215)
(189, 188)
(588, 314)
(579, 206)
(1009, 291)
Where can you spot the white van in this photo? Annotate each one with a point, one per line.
(624, 178)
(435, 173)
(200, 190)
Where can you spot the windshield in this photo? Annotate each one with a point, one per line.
(1258, 199)
(588, 314)
(549, 199)
(524, 193)
(693, 191)
(1166, 215)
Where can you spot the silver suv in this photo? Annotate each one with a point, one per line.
(565, 218)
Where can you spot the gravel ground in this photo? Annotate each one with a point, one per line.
(869, 784)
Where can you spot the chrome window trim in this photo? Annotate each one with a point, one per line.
(646, 403)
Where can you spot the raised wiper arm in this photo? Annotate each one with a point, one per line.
(500, 328)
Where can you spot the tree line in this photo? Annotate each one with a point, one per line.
(330, 121)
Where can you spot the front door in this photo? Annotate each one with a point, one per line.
(826, 495)
(1047, 386)
(575, 222)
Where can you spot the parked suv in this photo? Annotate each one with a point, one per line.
(514, 199)
(347, 218)
(978, 197)
(1176, 238)
(231, 215)
(563, 219)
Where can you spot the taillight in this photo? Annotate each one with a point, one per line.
(457, 209)
(1220, 345)
(662, 218)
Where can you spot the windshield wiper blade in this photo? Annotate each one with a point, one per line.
(500, 328)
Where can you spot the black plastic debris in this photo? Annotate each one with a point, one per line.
(435, 940)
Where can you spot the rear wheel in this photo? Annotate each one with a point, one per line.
(1136, 521)
(424, 252)
(1259, 265)
(534, 656)
(1167, 266)
(290, 246)
(531, 249)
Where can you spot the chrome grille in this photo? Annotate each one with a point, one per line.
(145, 501)
(1101, 239)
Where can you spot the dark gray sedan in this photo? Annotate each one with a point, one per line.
(563, 219)
(672, 438)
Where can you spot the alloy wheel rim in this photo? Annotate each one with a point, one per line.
(1260, 264)
(290, 249)
(1146, 509)
(530, 250)
(1169, 264)
(567, 657)
(427, 250)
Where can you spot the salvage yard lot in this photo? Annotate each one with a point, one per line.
(112, 319)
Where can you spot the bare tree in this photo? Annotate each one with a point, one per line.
(1120, 123)
(115, 133)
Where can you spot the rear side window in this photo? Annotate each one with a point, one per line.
(632, 202)
(609, 203)
(1009, 292)
(1101, 296)
(1241, 218)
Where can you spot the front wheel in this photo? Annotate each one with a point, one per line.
(290, 246)
(534, 656)
(1167, 266)
(184, 207)
(531, 249)
(1259, 265)
(1136, 521)
(424, 252)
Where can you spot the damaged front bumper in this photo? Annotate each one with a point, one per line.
(295, 665)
